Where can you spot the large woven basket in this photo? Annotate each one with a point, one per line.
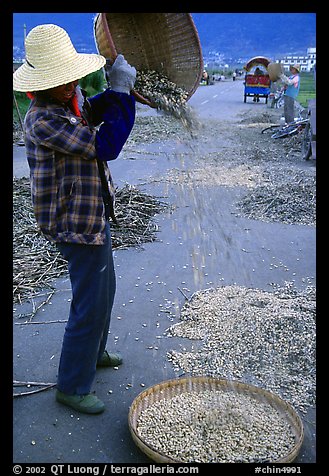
(165, 42)
(274, 70)
(170, 388)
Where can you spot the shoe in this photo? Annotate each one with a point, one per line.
(109, 360)
(82, 403)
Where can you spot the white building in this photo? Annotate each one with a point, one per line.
(307, 63)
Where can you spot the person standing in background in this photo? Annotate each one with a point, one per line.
(291, 90)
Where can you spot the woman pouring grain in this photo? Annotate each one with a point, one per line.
(70, 185)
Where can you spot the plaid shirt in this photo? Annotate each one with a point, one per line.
(61, 151)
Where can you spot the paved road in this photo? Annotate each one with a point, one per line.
(148, 281)
(222, 100)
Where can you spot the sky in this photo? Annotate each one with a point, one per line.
(72, 24)
(80, 28)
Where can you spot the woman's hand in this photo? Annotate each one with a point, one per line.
(121, 76)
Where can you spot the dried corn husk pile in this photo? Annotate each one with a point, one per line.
(134, 211)
(264, 338)
(36, 262)
(291, 203)
(216, 426)
(167, 96)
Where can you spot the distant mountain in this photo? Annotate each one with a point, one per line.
(252, 34)
(233, 35)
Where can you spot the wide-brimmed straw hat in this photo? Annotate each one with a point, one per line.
(51, 60)
(295, 66)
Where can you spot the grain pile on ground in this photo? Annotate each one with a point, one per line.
(217, 174)
(263, 338)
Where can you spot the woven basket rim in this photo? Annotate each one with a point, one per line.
(158, 389)
(101, 20)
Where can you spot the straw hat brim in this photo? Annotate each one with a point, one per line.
(28, 79)
(295, 66)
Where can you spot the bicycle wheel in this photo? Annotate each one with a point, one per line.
(285, 131)
(280, 102)
(271, 128)
(301, 122)
(307, 142)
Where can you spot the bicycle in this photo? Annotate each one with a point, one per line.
(279, 131)
(276, 99)
(285, 130)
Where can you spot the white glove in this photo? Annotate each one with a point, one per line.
(285, 79)
(121, 76)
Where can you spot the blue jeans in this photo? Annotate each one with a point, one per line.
(93, 284)
(289, 109)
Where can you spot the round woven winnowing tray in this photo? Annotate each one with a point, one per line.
(274, 71)
(164, 42)
(170, 388)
